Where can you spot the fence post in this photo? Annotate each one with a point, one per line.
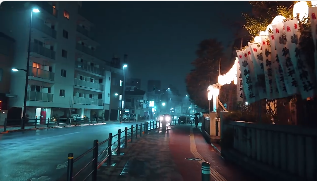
(109, 148)
(150, 125)
(136, 130)
(5, 125)
(57, 120)
(131, 133)
(156, 124)
(205, 171)
(146, 127)
(35, 121)
(141, 130)
(159, 124)
(125, 137)
(119, 141)
(70, 167)
(95, 162)
(48, 122)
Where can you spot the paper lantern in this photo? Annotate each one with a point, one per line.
(300, 9)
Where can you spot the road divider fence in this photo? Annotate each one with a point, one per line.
(102, 152)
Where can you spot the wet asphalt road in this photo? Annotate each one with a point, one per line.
(42, 154)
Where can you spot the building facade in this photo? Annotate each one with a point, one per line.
(6, 56)
(65, 75)
(133, 82)
(153, 85)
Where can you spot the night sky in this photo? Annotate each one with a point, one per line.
(161, 38)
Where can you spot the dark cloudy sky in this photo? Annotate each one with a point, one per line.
(161, 37)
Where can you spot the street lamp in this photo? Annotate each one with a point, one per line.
(34, 10)
(163, 104)
(123, 91)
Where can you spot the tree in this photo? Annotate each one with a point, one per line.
(263, 12)
(206, 70)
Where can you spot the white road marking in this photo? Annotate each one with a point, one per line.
(42, 178)
(193, 149)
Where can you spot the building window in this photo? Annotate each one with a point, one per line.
(80, 95)
(64, 53)
(92, 80)
(100, 80)
(81, 77)
(90, 96)
(99, 96)
(65, 34)
(66, 14)
(63, 73)
(62, 93)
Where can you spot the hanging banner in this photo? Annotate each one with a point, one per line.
(284, 57)
(277, 69)
(257, 59)
(247, 83)
(240, 94)
(304, 76)
(270, 82)
(313, 20)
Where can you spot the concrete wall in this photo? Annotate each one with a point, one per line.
(275, 152)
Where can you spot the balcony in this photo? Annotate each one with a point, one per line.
(88, 101)
(43, 28)
(85, 49)
(86, 67)
(85, 32)
(47, 7)
(39, 96)
(39, 49)
(86, 84)
(39, 73)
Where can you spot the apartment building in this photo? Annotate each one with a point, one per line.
(133, 83)
(153, 85)
(6, 57)
(65, 75)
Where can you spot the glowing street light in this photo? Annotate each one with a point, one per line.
(125, 65)
(14, 69)
(163, 104)
(116, 94)
(35, 10)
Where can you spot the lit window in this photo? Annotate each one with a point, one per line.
(66, 14)
(36, 65)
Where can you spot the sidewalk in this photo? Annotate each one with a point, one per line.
(61, 125)
(170, 156)
(41, 126)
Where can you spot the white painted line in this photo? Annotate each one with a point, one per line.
(193, 149)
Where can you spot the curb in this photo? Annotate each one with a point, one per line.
(42, 128)
(216, 148)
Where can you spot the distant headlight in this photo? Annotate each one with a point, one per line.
(161, 118)
(167, 118)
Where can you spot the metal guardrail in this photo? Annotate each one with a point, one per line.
(113, 148)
